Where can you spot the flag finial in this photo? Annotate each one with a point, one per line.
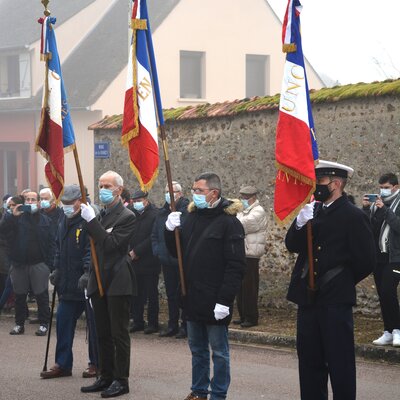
(46, 11)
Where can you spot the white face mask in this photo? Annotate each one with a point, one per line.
(385, 192)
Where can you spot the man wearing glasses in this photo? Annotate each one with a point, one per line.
(214, 261)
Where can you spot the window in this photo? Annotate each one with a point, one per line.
(192, 74)
(15, 75)
(257, 75)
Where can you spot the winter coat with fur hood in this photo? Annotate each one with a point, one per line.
(213, 259)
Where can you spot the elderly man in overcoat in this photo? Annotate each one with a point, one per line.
(111, 233)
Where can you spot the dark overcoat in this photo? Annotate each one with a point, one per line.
(146, 263)
(72, 257)
(342, 240)
(111, 232)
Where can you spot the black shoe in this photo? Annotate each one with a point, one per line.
(99, 385)
(237, 321)
(247, 324)
(169, 332)
(17, 330)
(151, 329)
(115, 389)
(42, 331)
(182, 334)
(136, 328)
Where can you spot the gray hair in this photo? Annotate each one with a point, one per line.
(213, 181)
(117, 177)
(176, 186)
(48, 191)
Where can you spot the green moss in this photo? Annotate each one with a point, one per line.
(353, 91)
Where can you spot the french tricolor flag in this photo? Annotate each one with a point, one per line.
(56, 133)
(142, 109)
(296, 145)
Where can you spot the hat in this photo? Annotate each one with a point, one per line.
(6, 197)
(248, 190)
(330, 168)
(138, 194)
(71, 193)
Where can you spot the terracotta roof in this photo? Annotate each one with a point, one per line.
(337, 93)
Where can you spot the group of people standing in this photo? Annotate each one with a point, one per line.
(107, 263)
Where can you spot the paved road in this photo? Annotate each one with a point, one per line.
(161, 371)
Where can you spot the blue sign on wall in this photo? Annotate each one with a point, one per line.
(102, 150)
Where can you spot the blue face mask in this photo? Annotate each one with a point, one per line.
(34, 208)
(5, 205)
(200, 200)
(44, 204)
(245, 203)
(68, 210)
(168, 198)
(138, 206)
(9, 211)
(106, 196)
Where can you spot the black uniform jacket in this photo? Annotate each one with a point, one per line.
(342, 241)
(213, 259)
(112, 233)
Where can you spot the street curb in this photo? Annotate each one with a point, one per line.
(368, 352)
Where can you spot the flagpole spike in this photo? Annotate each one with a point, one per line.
(46, 11)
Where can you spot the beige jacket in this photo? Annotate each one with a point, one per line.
(254, 221)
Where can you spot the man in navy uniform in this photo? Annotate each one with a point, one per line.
(343, 255)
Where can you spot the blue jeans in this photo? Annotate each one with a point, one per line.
(201, 337)
(68, 313)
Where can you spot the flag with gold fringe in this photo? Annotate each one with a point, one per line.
(296, 145)
(142, 108)
(56, 133)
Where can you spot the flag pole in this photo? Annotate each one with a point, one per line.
(82, 187)
(92, 245)
(160, 118)
(173, 208)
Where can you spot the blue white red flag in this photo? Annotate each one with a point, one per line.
(142, 109)
(296, 145)
(56, 133)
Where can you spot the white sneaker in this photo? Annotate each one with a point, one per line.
(385, 339)
(396, 337)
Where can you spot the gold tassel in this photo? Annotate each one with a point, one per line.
(289, 48)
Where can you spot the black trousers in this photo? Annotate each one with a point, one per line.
(111, 314)
(247, 298)
(325, 346)
(172, 288)
(386, 282)
(147, 293)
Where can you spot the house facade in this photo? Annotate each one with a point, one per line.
(207, 52)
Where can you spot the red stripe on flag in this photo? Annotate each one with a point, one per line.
(143, 152)
(128, 122)
(50, 141)
(293, 146)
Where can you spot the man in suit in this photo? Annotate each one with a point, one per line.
(111, 233)
(343, 255)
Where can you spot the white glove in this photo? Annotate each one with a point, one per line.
(220, 311)
(87, 212)
(305, 214)
(173, 221)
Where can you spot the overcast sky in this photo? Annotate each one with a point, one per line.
(350, 40)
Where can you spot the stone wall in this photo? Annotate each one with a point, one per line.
(363, 133)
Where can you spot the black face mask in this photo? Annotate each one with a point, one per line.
(322, 192)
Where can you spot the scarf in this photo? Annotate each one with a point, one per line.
(392, 202)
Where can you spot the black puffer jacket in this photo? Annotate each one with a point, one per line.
(157, 236)
(213, 259)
